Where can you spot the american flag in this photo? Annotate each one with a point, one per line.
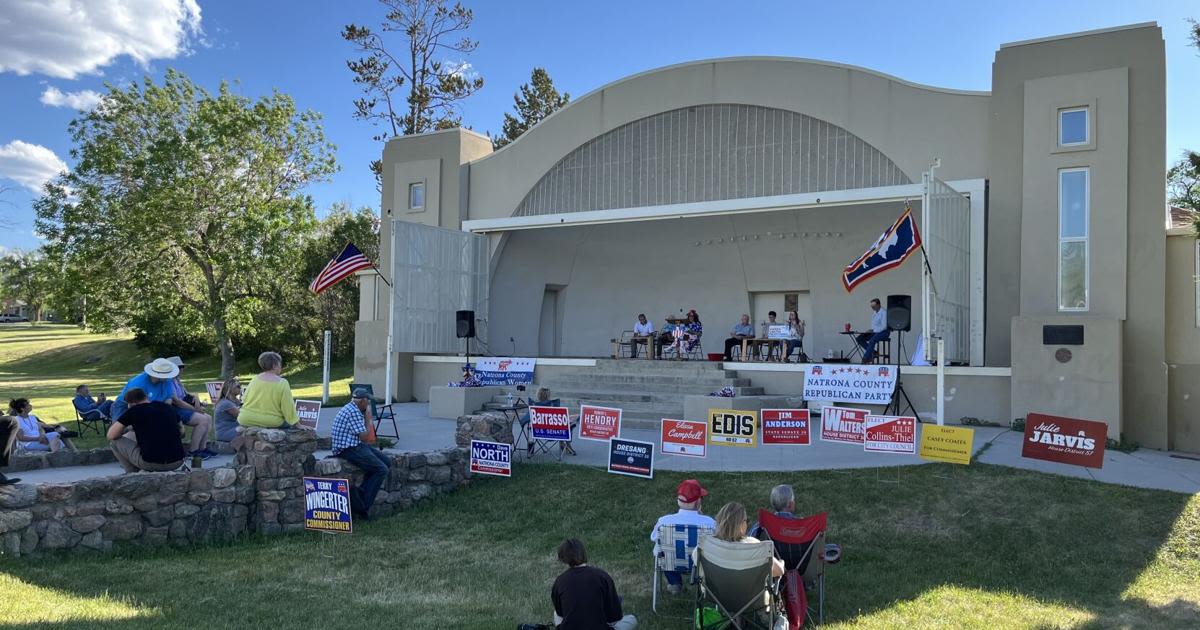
(342, 265)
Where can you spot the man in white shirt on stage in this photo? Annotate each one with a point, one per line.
(879, 331)
(643, 332)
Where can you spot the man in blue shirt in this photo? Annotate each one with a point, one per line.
(156, 381)
(879, 331)
(84, 402)
(741, 330)
(348, 434)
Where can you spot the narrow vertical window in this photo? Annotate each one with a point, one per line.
(416, 196)
(1073, 215)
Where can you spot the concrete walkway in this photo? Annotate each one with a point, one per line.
(419, 432)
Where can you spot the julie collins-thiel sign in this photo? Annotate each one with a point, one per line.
(842, 382)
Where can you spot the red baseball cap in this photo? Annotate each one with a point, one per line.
(690, 491)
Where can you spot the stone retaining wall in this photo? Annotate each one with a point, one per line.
(261, 492)
(19, 462)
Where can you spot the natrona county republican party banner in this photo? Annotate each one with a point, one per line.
(504, 371)
(842, 382)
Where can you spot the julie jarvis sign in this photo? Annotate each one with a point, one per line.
(843, 424)
(890, 434)
(599, 423)
(785, 426)
(841, 382)
(550, 423)
(491, 458)
(684, 437)
(630, 457)
(504, 371)
(1064, 440)
(309, 412)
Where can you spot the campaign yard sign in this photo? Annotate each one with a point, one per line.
(504, 371)
(946, 444)
(841, 382)
(890, 434)
(1065, 440)
(599, 423)
(550, 423)
(309, 412)
(732, 427)
(491, 458)
(214, 390)
(684, 437)
(327, 505)
(631, 457)
(785, 426)
(843, 424)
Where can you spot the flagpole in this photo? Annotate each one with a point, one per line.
(391, 322)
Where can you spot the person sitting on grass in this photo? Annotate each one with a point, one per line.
(732, 525)
(8, 435)
(84, 403)
(689, 497)
(153, 441)
(267, 401)
(226, 411)
(155, 382)
(585, 597)
(542, 399)
(31, 436)
(350, 435)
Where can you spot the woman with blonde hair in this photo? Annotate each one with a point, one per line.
(227, 408)
(732, 525)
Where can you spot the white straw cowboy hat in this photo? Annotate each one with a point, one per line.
(162, 368)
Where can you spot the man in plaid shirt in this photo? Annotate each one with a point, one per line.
(349, 431)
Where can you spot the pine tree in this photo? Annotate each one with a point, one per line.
(533, 103)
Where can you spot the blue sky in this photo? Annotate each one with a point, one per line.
(295, 47)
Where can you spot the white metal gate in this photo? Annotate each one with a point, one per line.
(437, 272)
(946, 293)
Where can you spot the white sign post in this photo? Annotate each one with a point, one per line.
(325, 372)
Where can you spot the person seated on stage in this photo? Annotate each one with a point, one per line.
(155, 444)
(32, 434)
(879, 331)
(84, 403)
(741, 330)
(643, 332)
(795, 338)
(689, 497)
(349, 443)
(692, 330)
(666, 337)
(766, 329)
(783, 503)
(585, 597)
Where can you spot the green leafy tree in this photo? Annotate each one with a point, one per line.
(533, 103)
(28, 277)
(184, 209)
(417, 88)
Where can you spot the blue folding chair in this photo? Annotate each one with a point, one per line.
(380, 410)
(675, 545)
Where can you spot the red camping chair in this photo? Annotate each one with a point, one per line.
(800, 543)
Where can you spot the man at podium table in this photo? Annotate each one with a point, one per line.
(879, 331)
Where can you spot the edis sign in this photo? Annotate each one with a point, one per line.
(327, 505)
(732, 427)
(1064, 440)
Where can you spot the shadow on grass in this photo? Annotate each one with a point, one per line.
(985, 546)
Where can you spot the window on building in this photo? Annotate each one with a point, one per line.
(1073, 211)
(416, 195)
(1073, 126)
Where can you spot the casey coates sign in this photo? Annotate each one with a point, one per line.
(1065, 440)
(861, 384)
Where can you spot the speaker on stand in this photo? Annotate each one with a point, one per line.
(464, 328)
(899, 320)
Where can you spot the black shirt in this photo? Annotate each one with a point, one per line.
(156, 427)
(586, 599)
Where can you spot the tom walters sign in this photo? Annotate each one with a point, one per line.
(1064, 440)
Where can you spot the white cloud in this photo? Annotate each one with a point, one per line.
(83, 99)
(30, 165)
(66, 38)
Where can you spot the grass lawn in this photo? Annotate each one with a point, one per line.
(980, 547)
(45, 362)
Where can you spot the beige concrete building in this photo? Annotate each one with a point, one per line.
(743, 185)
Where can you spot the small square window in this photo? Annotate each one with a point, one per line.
(1073, 126)
(416, 196)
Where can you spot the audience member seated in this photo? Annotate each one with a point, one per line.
(783, 503)
(155, 381)
(643, 332)
(31, 436)
(84, 402)
(879, 331)
(226, 411)
(350, 436)
(8, 434)
(585, 597)
(542, 399)
(795, 338)
(732, 525)
(689, 497)
(741, 330)
(191, 411)
(267, 401)
(153, 443)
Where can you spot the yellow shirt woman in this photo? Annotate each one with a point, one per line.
(268, 403)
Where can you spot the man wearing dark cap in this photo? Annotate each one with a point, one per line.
(689, 497)
(349, 434)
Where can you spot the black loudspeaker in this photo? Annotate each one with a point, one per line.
(464, 324)
(899, 312)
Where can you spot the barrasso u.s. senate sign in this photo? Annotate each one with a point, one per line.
(841, 382)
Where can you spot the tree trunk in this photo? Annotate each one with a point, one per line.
(225, 345)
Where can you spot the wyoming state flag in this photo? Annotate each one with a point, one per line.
(891, 250)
